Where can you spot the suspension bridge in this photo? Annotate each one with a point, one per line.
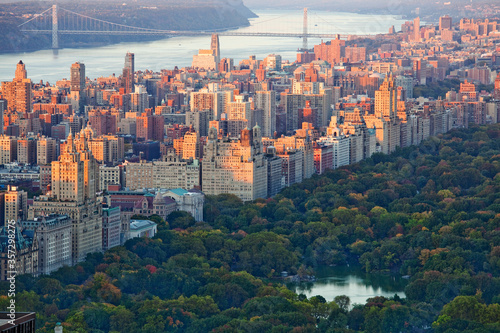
(58, 21)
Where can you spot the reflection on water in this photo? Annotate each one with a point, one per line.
(352, 282)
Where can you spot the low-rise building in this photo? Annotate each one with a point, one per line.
(188, 201)
(142, 228)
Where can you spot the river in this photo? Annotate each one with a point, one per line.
(179, 51)
(352, 282)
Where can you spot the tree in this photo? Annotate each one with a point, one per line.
(343, 302)
(464, 307)
(180, 219)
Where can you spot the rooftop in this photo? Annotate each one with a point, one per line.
(21, 317)
(179, 191)
(141, 224)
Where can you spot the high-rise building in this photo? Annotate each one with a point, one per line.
(74, 187)
(107, 148)
(46, 150)
(355, 53)
(323, 157)
(26, 151)
(54, 234)
(170, 172)
(128, 73)
(110, 175)
(331, 52)
(213, 101)
(26, 262)
(111, 227)
(292, 162)
(199, 120)
(386, 99)
(309, 115)
(77, 82)
(191, 146)
(16, 204)
(45, 177)
(8, 149)
(445, 22)
(215, 47)
(139, 100)
(416, 29)
(467, 92)
(226, 65)
(296, 143)
(340, 144)
(275, 179)
(293, 102)
(260, 73)
(150, 127)
(208, 59)
(102, 122)
(235, 166)
(266, 100)
(385, 120)
(18, 92)
(205, 59)
(239, 109)
(273, 62)
(405, 82)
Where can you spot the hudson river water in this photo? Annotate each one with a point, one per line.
(179, 51)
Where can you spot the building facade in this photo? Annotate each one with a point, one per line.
(54, 241)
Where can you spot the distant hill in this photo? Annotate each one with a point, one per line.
(428, 10)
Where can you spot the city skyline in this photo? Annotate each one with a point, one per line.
(199, 197)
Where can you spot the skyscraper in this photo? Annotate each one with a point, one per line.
(386, 99)
(385, 121)
(77, 86)
(215, 47)
(128, 73)
(266, 100)
(18, 91)
(74, 187)
(21, 71)
(416, 29)
(77, 77)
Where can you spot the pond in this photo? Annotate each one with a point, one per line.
(352, 282)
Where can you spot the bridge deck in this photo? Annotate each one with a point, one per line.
(195, 33)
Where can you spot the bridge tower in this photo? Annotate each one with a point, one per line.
(55, 28)
(304, 38)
